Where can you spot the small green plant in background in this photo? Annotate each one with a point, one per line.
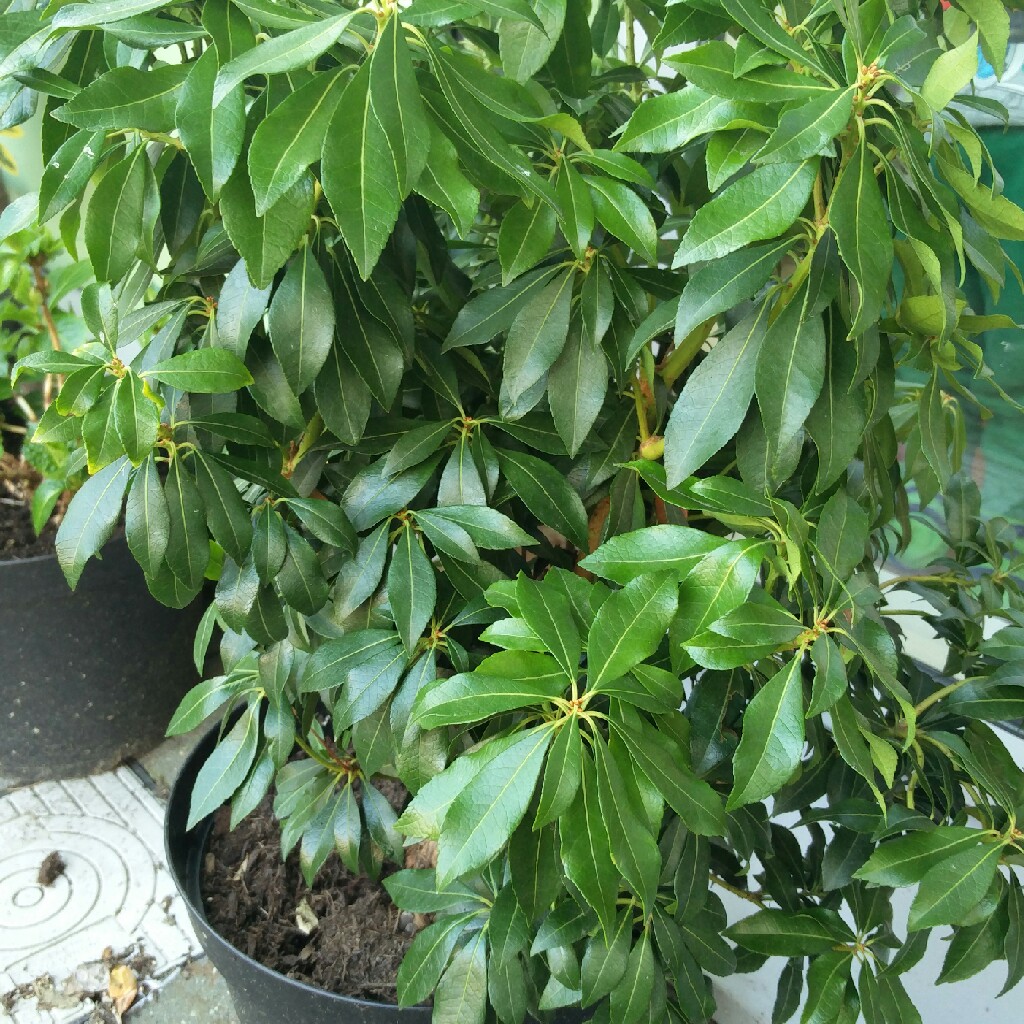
(39, 287)
(529, 383)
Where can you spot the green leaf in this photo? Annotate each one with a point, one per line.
(629, 627)
(858, 219)
(486, 812)
(790, 371)
(631, 997)
(720, 582)
(577, 209)
(240, 307)
(562, 774)
(763, 204)
(427, 957)
(952, 888)
(504, 682)
(102, 444)
(416, 890)
(68, 172)
(586, 850)
(412, 590)
(525, 47)
(90, 518)
(756, 19)
(1013, 945)
(487, 527)
(371, 496)
(493, 310)
(226, 768)
(634, 850)
(605, 960)
(200, 702)
(461, 994)
(188, 546)
(714, 400)
(577, 384)
(213, 135)
(301, 321)
(665, 765)
(884, 999)
(290, 138)
(951, 72)
(285, 52)
(525, 235)
(146, 521)
(547, 494)
(772, 739)
(830, 681)
(270, 543)
(656, 549)
(443, 183)
(535, 340)
(116, 219)
(227, 514)
(547, 612)
(127, 98)
(724, 283)
(325, 521)
(790, 989)
(808, 129)
(621, 212)
(204, 371)
(136, 418)
(780, 933)
(266, 242)
(663, 124)
(376, 147)
(993, 21)
(826, 985)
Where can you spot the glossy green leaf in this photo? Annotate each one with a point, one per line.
(760, 205)
(483, 816)
(714, 400)
(90, 518)
(207, 371)
(291, 138)
(954, 886)
(226, 768)
(858, 219)
(136, 418)
(213, 135)
(772, 740)
(808, 130)
(629, 627)
(547, 494)
(376, 146)
(301, 321)
(127, 97)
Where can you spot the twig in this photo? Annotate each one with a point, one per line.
(43, 287)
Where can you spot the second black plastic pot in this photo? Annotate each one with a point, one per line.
(260, 995)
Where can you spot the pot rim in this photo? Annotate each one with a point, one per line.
(174, 817)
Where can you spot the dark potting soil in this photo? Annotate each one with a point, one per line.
(17, 537)
(252, 898)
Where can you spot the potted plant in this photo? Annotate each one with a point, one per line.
(79, 694)
(553, 379)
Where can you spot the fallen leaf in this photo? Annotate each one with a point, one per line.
(123, 988)
(305, 919)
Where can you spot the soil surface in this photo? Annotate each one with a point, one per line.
(252, 898)
(17, 538)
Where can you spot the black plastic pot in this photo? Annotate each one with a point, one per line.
(260, 995)
(88, 677)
